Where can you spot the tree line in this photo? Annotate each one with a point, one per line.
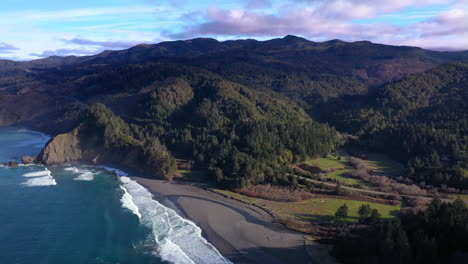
(438, 234)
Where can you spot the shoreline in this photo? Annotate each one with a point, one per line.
(242, 233)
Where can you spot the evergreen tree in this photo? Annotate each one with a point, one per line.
(342, 212)
(364, 212)
(338, 188)
(374, 217)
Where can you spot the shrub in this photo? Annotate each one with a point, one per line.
(276, 193)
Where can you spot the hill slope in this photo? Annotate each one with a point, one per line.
(243, 108)
(421, 120)
(241, 135)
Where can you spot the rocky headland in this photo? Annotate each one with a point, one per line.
(103, 138)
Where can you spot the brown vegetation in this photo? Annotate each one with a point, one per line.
(309, 168)
(276, 193)
(383, 183)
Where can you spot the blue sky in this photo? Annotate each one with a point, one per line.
(31, 29)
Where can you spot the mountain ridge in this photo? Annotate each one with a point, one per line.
(202, 96)
(200, 44)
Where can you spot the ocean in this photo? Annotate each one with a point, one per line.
(86, 214)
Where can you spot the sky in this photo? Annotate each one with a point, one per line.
(32, 29)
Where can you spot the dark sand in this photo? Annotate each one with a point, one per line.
(241, 232)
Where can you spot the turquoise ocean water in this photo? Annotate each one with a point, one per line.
(84, 214)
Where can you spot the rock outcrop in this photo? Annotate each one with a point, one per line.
(11, 164)
(61, 149)
(85, 144)
(28, 160)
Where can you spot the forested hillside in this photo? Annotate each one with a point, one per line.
(240, 135)
(245, 109)
(435, 235)
(421, 120)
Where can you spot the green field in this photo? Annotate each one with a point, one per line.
(464, 197)
(330, 162)
(318, 209)
(465, 172)
(339, 168)
(342, 175)
(325, 208)
(381, 162)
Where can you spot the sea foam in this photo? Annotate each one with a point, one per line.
(116, 171)
(127, 202)
(178, 240)
(171, 251)
(72, 169)
(84, 175)
(39, 178)
(45, 172)
(40, 181)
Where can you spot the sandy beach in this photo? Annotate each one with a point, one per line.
(241, 232)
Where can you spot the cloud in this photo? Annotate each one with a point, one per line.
(446, 31)
(323, 20)
(304, 21)
(94, 47)
(452, 22)
(437, 24)
(102, 44)
(362, 9)
(79, 13)
(7, 48)
(64, 52)
(35, 31)
(257, 4)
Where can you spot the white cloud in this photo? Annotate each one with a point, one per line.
(7, 48)
(38, 32)
(41, 32)
(302, 21)
(73, 14)
(323, 20)
(446, 31)
(102, 44)
(63, 52)
(361, 9)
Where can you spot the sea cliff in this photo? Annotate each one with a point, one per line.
(103, 138)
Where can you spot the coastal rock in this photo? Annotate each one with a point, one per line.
(85, 144)
(63, 148)
(28, 160)
(10, 164)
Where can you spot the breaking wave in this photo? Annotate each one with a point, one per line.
(84, 175)
(72, 169)
(116, 171)
(39, 178)
(40, 181)
(127, 202)
(45, 172)
(178, 240)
